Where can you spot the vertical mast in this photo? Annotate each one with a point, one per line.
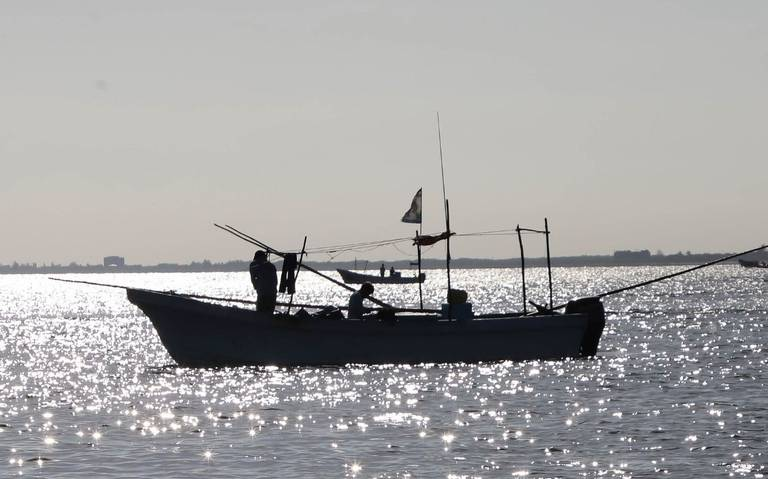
(522, 268)
(418, 252)
(445, 203)
(549, 262)
(448, 250)
(442, 169)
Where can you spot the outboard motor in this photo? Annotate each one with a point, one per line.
(595, 312)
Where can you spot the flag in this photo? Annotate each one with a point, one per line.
(413, 215)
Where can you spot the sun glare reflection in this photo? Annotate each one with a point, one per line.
(679, 379)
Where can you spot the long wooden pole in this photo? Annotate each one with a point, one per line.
(235, 232)
(672, 275)
(440, 144)
(549, 261)
(418, 253)
(522, 268)
(447, 216)
(448, 248)
(233, 300)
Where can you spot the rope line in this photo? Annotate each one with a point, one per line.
(366, 246)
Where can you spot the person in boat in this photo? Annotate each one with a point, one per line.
(393, 273)
(356, 308)
(381, 270)
(264, 280)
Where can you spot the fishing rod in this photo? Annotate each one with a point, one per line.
(235, 232)
(672, 275)
(236, 300)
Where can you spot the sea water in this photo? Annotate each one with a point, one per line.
(678, 388)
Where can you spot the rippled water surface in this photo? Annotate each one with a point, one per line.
(678, 389)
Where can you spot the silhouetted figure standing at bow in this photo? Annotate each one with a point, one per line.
(264, 280)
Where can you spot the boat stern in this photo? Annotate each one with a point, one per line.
(593, 308)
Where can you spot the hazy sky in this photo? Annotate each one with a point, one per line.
(130, 127)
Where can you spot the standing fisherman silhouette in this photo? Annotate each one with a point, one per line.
(381, 270)
(264, 280)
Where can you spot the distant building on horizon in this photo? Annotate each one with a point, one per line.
(632, 256)
(114, 261)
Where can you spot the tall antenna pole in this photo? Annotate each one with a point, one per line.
(442, 169)
(522, 267)
(447, 221)
(549, 262)
(418, 252)
(448, 250)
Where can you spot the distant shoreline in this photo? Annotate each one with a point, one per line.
(617, 259)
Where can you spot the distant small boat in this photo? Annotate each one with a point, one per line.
(350, 277)
(753, 264)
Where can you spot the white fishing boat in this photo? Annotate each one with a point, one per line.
(352, 277)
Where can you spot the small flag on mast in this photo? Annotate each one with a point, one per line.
(413, 215)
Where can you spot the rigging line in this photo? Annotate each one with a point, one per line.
(356, 250)
(335, 254)
(373, 244)
(401, 251)
(511, 233)
(425, 249)
(506, 230)
(470, 235)
(353, 245)
(672, 275)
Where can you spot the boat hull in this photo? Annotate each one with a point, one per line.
(350, 277)
(200, 334)
(753, 264)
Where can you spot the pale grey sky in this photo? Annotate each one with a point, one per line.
(129, 127)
